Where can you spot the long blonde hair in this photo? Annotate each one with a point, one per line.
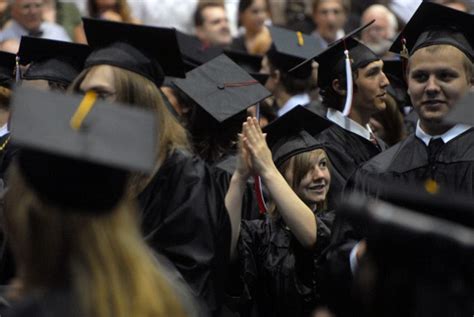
(101, 258)
(134, 89)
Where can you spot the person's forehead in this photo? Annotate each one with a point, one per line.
(213, 12)
(26, 2)
(373, 64)
(330, 4)
(98, 76)
(443, 56)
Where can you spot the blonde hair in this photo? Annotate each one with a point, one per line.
(135, 89)
(101, 258)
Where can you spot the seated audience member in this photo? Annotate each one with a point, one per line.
(212, 25)
(255, 37)
(380, 35)
(27, 19)
(330, 17)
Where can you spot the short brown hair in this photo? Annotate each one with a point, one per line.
(198, 17)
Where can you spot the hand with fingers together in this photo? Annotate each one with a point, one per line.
(260, 155)
(244, 166)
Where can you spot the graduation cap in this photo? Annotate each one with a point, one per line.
(434, 24)
(194, 52)
(73, 147)
(463, 112)
(7, 67)
(332, 60)
(52, 60)
(293, 133)
(251, 63)
(152, 52)
(290, 48)
(421, 260)
(222, 88)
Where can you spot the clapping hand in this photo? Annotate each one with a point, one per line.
(256, 146)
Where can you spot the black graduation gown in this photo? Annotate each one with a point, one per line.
(7, 266)
(277, 273)
(223, 171)
(184, 218)
(404, 163)
(346, 151)
(407, 163)
(7, 153)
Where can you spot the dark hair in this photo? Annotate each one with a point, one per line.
(198, 18)
(331, 98)
(212, 140)
(244, 5)
(292, 85)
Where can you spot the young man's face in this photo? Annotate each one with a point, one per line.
(215, 29)
(371, 83)
(436, 81)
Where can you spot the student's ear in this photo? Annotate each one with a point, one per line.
(276, 75)
(340, 89)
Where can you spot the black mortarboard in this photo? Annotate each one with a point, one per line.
(194, 52)
(293, 133)
(290, 48)
(420, 260)
(463, 112)
(7, 68)
(332, 60)
(52, 60)
(434, 24)
(251, 63)
(72, 148)
(152, 52)
(222, 88)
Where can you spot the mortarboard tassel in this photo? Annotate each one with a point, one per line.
(348, 103)
(17, 70)
(83, 110)
(262, 207)
(300, 38)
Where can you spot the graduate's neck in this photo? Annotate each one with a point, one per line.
(4, 117)
(281, 97)
(434, 128)
(359, 116)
